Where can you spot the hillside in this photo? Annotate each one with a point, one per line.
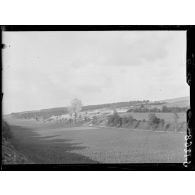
(47, 113)
(178, 102)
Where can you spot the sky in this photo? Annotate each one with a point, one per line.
(49, 69)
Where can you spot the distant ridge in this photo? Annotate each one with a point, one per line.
(186, 98)
(173, 102)
(178, 102)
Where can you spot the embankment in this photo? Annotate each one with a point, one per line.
(9, 154)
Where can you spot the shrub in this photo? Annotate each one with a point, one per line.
(167, 126)
(115, 120)
(155, 121)
(138, 123)
(127, 120)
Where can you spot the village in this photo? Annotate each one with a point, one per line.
(85, 115)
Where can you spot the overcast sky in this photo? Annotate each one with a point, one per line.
(49, 69)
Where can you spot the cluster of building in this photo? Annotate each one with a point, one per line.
(87, 115)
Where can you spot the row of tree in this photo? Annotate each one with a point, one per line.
(118, 121)
(163, 109)
(153, 121)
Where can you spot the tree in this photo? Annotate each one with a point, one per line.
(75, 107)
(115, 119)
(153, 119)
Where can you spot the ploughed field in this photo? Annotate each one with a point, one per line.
(46, 143)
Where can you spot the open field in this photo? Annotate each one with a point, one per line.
(43, 143)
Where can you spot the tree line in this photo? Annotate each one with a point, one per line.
(163, 109)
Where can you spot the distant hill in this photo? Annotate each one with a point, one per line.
(43, 113)
(178, 102)
(46, 113)
(64, 110)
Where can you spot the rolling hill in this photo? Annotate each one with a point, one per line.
(178, 102)
(46, 113)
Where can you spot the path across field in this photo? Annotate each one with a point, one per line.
(43, 144)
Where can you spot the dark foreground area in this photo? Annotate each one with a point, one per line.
(42, 151)
(42, 144)
(9, 154)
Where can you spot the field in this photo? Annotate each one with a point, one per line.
(42, 143)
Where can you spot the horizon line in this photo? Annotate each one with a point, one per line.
(97, 104)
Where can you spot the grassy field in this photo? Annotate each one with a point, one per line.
(45, 143)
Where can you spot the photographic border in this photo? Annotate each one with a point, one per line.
(190, 76)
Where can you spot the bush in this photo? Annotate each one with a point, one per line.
(138, 123)
(115, 120)
(155, 121)
(127, 120)
(167, 126)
